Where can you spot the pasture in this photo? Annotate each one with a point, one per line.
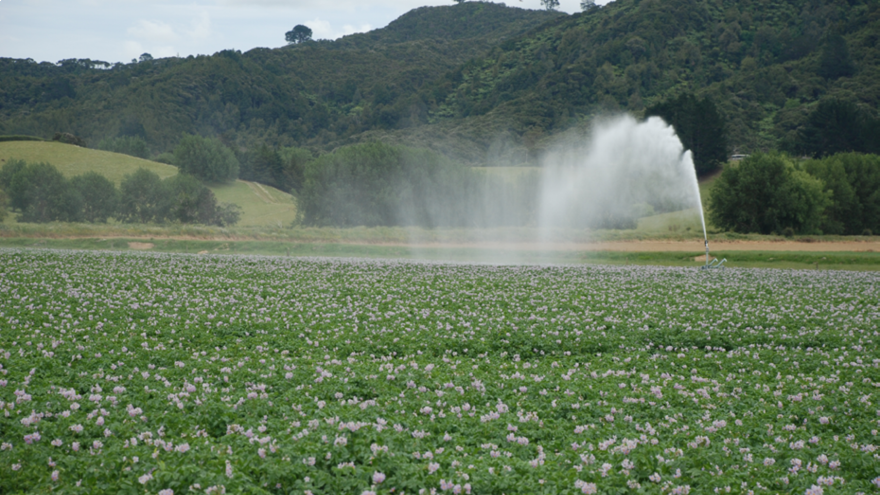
(171, 373)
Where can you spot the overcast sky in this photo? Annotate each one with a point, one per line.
(119, 30)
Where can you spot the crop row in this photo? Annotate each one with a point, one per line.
(150, 373)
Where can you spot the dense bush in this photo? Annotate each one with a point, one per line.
(42, 194)
(4, 201)
(181, 198)
(767, 193)
(68, 138)
(100, 198)
(853, 182)
(379, 184)
(127, 145)
(838, 126)
(142, 197)
(206, 158)
(280, 168)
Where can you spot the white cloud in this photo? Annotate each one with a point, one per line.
(349, 29)
(132, 49)
(323, 30)
(153, 31)
(201, 27)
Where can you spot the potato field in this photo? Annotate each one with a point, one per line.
(142, 373)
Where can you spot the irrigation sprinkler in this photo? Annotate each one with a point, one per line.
(714, 263)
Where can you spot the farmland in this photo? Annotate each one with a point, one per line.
(169, 373)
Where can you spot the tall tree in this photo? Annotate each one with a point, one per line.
(837, 126)
(100, 198)
(206, 158)
(699, 126)
(142, 197)
(835, 61)
(550, 4)
(298, 34)
(767, 193)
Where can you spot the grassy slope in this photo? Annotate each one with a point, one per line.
(261, 205)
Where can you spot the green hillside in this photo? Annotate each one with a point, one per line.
(483, 83)
(315, 94)
(261, 205)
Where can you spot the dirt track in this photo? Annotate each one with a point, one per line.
(674, 246)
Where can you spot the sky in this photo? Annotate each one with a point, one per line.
(120, 30)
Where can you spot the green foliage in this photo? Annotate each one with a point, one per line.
(514, 370)
(181, 198)
(142, 198)
(838, 126)
(853, 182)
(454, 78)
(378, 184)
(7, 172)
(294, 161)
(189, 201)
(699, 126)
(550, 4)
(4, 202)
(43, 194)
(128, 145)
(100, 198)
(835, 61)
(68, 138)
(299, 34)
(206, 158)
(317, 94)
(767, 193)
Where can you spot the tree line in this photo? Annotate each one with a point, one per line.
(377, 184)
(41, 193)
(770, 193)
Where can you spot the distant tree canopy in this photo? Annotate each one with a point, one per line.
(206, 158)
(838, 126)
(42, 194)
(853, 182)
(377, 184)
(835, 61)
(699, 126)
(550, 4)
(767, 193)
(587, 5)
(100, 198)
(298, 34)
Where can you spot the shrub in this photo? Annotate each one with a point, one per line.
(68, 138)
(206, 158)
(766, 193)
(378, 184)
(853, 182)
(142, 198)
(45, 195)
(100, 198)
(3, 202)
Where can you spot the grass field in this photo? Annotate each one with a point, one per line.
(160, 373)
(261, 205)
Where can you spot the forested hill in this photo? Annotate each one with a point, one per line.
(475, 80)
(314, 93)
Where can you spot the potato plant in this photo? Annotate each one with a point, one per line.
(173, 374)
